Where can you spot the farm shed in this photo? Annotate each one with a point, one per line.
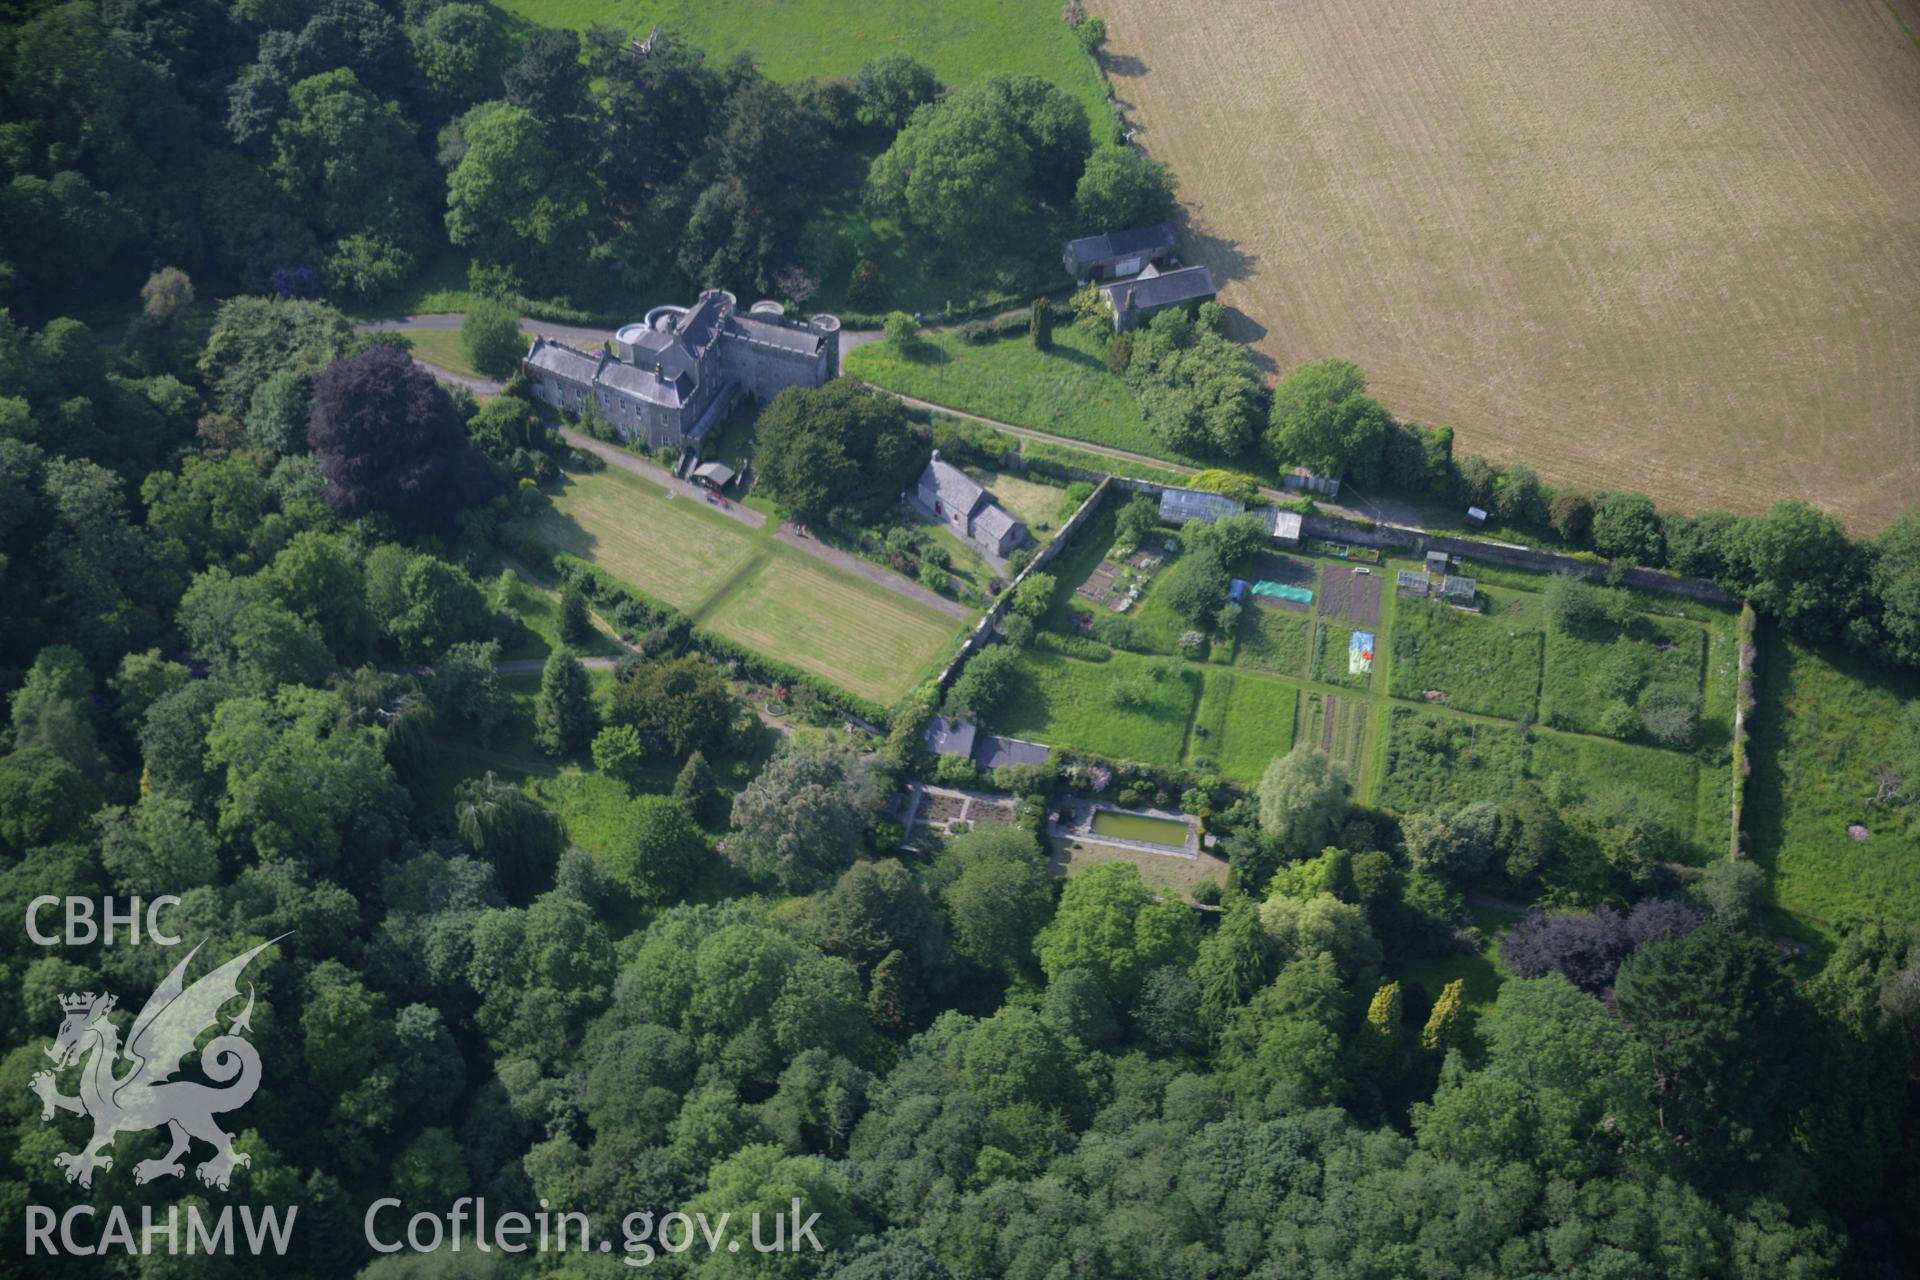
(1132, 301)
(951, 737)
(1476, 516)
(1284, 526)
(1177, 506)
(1118, 253)
(1437, 564)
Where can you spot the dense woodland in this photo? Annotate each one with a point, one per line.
(247, 611)
(346, 147)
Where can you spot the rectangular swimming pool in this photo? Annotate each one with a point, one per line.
(1132, 826)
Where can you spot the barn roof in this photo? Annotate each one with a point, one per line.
(1089, 251)
(1163, 289)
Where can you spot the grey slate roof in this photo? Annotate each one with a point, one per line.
(772, 333)
(701, 325)
(649, 386)
(951, 737)
(951, 485)
(718, 473)
(995, 522)
(563, 361)
(990, 752)
(1161, 289)
(1107, 246)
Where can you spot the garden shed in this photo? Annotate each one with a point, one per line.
(1284, 526)
(714, 475)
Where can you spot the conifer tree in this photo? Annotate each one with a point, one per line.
(564, 719)
(1448, 1019)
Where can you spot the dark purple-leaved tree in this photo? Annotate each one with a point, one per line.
(389, 439)
(1587, 948)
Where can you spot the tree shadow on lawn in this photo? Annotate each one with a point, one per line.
(561, 532)
(1072, 356)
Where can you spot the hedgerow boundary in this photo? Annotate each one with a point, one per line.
(1742, 708)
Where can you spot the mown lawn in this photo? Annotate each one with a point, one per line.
(1043, 508)
(1820, 729)
(1066, 702)
(1067, 390)
(441, 348)
(747, 587)
(673, 549)
(862, 637)
(1488, 664)
(1158, 870)
(1242, 723)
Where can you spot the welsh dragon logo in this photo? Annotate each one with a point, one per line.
(144, 1097)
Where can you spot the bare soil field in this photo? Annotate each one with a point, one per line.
(1636, 244)
(1350, 594)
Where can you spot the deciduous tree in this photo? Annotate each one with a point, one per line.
(389, 440)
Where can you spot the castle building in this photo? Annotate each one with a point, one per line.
(670, 378)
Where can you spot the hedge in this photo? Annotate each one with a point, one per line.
(1072, 646)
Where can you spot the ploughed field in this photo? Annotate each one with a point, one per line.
(1634, 244)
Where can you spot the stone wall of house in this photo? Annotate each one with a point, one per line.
(983, 634)
(764, 372)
